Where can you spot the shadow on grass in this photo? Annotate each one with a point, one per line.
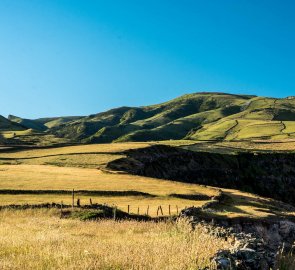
(273, 208)
(77, 192)
(193, 197)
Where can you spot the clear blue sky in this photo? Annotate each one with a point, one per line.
(69, 57)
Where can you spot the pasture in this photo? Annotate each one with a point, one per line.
(54, 170)
(39, 239)
(49, 239)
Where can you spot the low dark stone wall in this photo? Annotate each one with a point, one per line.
(255, 243)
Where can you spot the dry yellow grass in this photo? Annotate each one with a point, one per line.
(51, 177)
(35, 239)
(249, 205)
(34, 174)
(79, 149)
(84, 156)
(11, 134)
(66, 160)
(38, 239)
(42, 177)
(266, 145)
(121, 202)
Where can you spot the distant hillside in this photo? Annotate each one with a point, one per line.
(174, 119)
(29, 124)
(42, 124)
(197, 116)
(261, 118)
(56, 121)
(7, 125)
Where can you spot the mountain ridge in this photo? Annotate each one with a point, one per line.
(195, 116)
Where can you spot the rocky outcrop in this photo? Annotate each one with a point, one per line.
(255, 244)
(269, 175)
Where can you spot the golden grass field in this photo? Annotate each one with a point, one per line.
(82, 168)
(77, 167)
(39, 239)
(44, 177)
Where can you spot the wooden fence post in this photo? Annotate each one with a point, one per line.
(61, 214)
(128, 209)
(138, 211)
(158, 211)
(90, 201)
(78, 202)
(73, 198)
(115, 212)
(169, 209)
(147, 210)
(161, 210)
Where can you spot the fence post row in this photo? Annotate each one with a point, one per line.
(159, 209)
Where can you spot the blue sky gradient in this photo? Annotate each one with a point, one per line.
(69, 57)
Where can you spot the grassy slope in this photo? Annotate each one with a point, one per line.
(32, 137)
(7, 125)
(35, 239)
(198, 116)
(42, 124)
(170, 120)
(56, 121)
(264, 118)
(27, 123)
(16, 130)
(36, 169)
(232, 147)
(83, 168)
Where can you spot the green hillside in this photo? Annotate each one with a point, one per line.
(7, 125)
(197, 116)
(263, 118)
(174, 119)
(27, 123)
(42, 124)
(56, 121)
